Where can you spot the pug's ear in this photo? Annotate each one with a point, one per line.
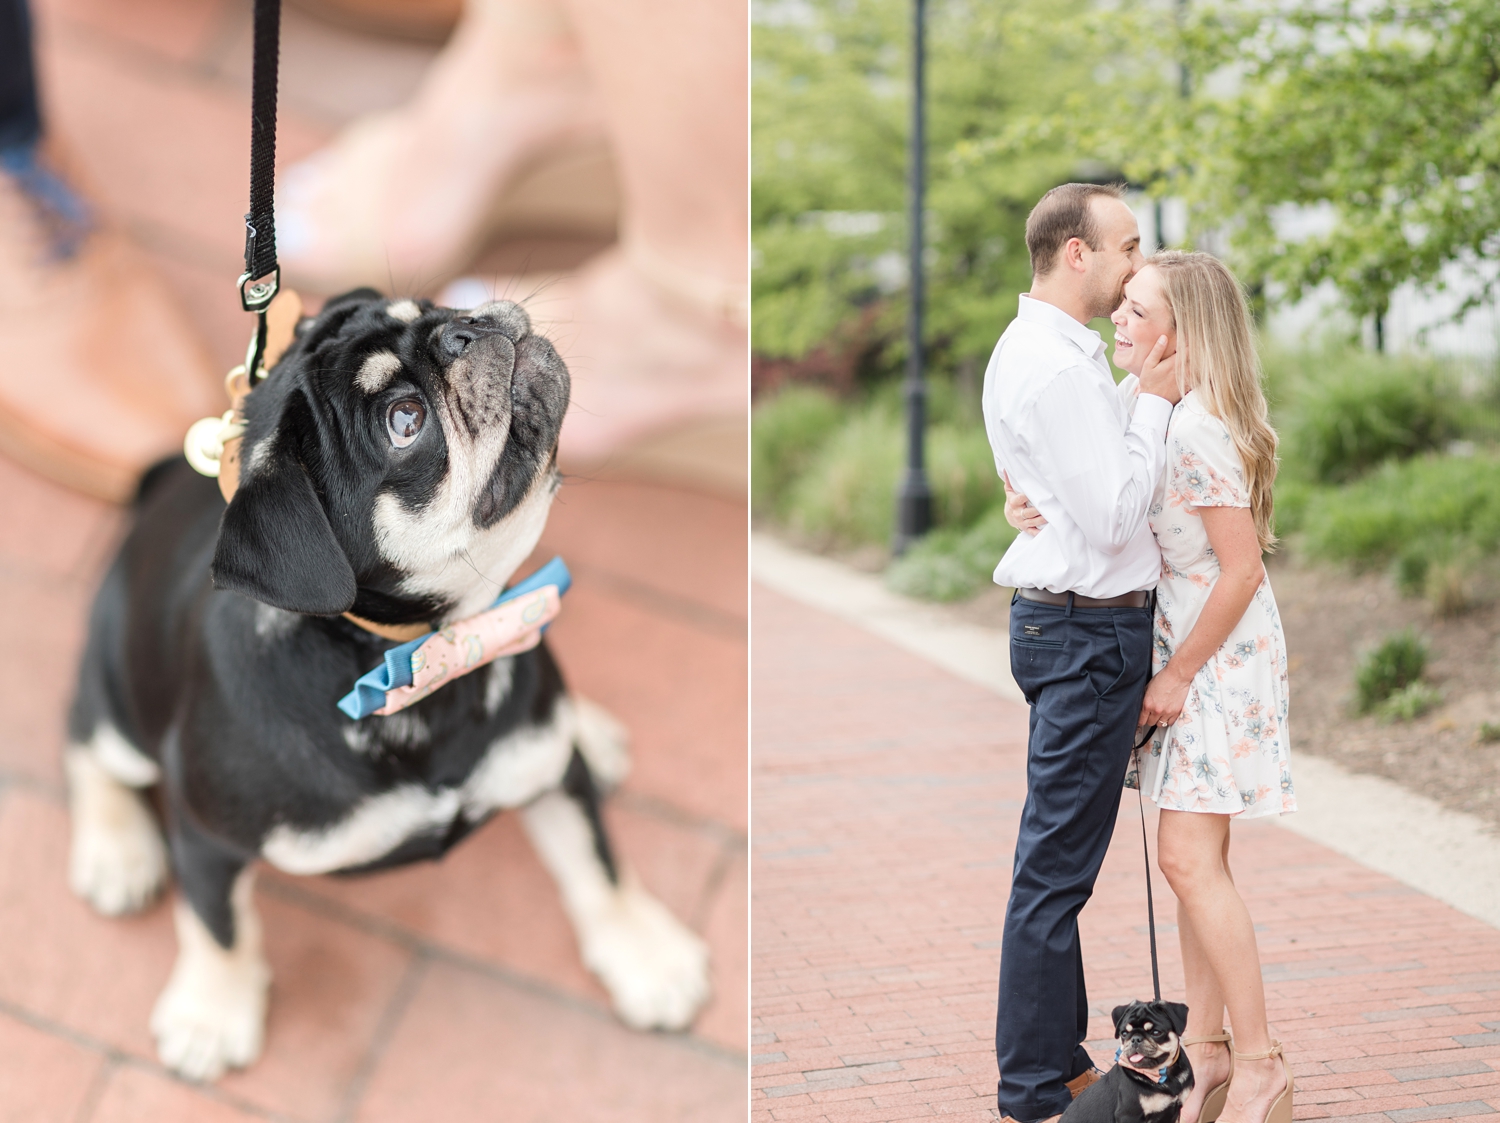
(362, 295)
(276, 546)
(1177, 1015)
(1118, 1014)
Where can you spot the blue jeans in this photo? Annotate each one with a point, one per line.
(1084, 672)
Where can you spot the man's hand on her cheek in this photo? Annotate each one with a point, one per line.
(1159, 375)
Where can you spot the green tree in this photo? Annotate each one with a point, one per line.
(830, 90)
(1376, 122)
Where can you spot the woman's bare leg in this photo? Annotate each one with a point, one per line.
(1193, 853)
(1205, 1001)
(402, 199)
(654, 330)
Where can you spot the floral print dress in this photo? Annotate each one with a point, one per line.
(1228, 753)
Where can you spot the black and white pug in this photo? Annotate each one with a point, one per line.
(1151, 1076)
(398, 464)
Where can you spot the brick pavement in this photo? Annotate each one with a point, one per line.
(885, 798)
(435, 991)
(448, 991)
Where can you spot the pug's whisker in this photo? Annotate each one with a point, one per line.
(499, 586)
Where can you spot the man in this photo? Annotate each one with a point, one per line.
(1080, 620)
(100, 373)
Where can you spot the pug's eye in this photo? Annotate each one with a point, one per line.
(404, 421)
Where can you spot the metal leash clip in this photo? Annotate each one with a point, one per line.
(256, 296)
(212, 445)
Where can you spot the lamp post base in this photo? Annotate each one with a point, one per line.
(913, 511)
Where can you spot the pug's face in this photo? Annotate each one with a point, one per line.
(1149, 1032)
(398, 462)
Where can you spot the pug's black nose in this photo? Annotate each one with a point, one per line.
(456, 335)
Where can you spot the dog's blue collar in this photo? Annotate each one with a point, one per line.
(396, 671)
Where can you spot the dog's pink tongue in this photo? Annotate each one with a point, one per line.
(1137, 1058)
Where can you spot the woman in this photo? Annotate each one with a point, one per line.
(1218, 698)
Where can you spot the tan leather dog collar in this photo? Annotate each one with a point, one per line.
(212, 446)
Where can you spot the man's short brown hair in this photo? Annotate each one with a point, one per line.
(1065, 212)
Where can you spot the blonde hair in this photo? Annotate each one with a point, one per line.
(1216, 337)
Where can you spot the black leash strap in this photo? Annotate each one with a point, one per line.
(262, 277)
(1146, 846)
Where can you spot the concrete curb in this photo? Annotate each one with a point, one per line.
(1449, 855)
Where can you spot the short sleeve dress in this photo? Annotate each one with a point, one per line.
(1228, 753)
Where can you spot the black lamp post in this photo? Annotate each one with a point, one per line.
(914, 496)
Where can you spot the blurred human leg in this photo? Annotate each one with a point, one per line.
(99, 371)
(20, 116)
(401, 199)
(659, 321)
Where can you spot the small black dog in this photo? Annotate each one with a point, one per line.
(1151, 1076)
(398, 465)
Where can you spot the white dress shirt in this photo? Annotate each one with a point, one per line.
(1064, 434)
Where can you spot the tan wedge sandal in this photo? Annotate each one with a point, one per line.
(1213, 1103)
(1281, 1107)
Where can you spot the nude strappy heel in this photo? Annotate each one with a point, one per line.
(1281, 1107)
(1213, 1103)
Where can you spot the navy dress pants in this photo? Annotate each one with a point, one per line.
(20, 116)
(1084, 672)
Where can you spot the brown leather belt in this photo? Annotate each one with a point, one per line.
(1136, 599)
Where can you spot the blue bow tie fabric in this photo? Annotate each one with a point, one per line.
(412, 670)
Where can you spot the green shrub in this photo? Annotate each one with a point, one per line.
(1441, 506)
(844, 493)
(1489, 733)
(1393, 666)
(1289, 504)
(1343, 413)
(934, 570)
(961, 470)
(952, 564)
(1411, 569)
(1438, 569)
(846, 496)
(786, 432)
(1410, 702)
(1448, 588)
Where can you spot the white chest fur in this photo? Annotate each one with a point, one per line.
(518, 768)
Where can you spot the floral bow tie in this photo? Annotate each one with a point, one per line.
(513, 624)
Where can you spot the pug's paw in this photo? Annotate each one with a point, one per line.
(212, 1014)
(118, 870)
(118, 861)
(654, 967)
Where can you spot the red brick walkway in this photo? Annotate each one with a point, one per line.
(450, 991)
(885, 796)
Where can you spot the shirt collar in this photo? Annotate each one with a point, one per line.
(1085, 338)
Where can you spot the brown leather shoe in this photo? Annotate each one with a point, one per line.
(1083, 1080)
(100, 373)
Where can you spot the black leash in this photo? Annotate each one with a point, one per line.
(1146, 846)
(262, 277)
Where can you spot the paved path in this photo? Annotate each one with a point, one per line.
(1451, 855)
(886, 793)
